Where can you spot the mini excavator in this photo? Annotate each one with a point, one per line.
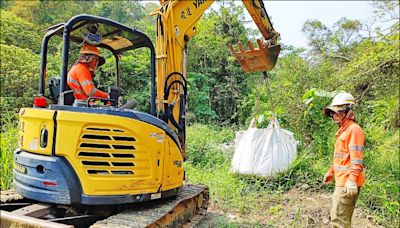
(88, 165)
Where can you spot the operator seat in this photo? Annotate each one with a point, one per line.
(66, 98)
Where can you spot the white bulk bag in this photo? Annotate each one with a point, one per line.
(264, 152)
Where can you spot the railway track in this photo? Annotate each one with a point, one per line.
(184, 210)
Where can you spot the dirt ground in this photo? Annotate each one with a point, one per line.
(296, 208)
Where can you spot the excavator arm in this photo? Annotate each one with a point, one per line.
(176, 25)
(265, 56)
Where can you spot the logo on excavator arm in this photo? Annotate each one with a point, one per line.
(178, 163)
(198, 3)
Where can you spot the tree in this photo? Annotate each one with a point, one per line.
(199, 99)
(336, 42)
(125, 12)
(18, 77)
(226, 79)
(6, 4)
(18, 32)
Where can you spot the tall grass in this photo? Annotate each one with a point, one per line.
(9, 141)
(209, 163)
(210, 150)
(381, 192)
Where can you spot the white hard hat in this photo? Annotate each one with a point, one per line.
(342, 99)
(339, 103)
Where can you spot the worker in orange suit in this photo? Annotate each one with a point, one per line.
(347, 169)
(81, 73)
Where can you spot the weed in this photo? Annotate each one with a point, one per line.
(210, 165)
(9, 140)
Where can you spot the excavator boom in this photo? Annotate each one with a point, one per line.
(176, 25)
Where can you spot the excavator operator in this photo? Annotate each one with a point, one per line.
(81, 73)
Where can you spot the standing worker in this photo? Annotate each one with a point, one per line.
(81, 73)
(347, 168)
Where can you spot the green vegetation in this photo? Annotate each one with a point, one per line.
(9, 142)
(223, 99)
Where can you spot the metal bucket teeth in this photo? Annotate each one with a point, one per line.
(261, 58)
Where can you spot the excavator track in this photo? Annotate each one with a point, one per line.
(188, 206)
(184, 210)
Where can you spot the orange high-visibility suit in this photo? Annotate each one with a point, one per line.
(80, 81)
(349, 154)
(347, 165)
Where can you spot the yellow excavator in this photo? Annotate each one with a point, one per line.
(86, 165)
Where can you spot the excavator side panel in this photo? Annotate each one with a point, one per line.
(103, 150)
(36, 130)
(173, 166)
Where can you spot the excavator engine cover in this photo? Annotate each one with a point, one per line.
(262, 58)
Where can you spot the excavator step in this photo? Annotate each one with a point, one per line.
(184, 210)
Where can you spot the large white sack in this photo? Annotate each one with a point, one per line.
(264, 152)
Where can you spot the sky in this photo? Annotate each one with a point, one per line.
(288, 17)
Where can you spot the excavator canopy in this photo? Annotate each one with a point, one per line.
(101, 32)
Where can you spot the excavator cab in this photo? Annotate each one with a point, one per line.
(105, 34)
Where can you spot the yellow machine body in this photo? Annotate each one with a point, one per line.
(30, 127)
(135, 156)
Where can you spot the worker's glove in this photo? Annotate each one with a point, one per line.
(350, 188)
(328, 177)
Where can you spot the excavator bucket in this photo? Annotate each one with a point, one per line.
(262, 58)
